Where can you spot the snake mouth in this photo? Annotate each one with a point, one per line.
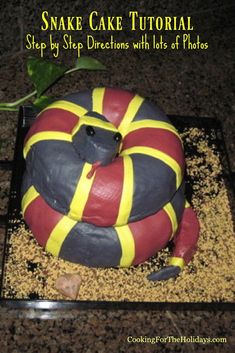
(95, 165)
(93, 169)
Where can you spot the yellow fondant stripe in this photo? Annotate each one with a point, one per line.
(148, 123)
(81, 194)
(45, 135)
(168, 208)
(187, 204)
(69, 106)
(58, 235)
(89, 120)
(97, 100)
(130, 113)
(30, 195)
(177, 261)
(127, 244)
(127, 192)
(159, 155)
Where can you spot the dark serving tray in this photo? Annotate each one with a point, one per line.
(26, 116)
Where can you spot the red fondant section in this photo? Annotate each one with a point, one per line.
(160, 139)
(115, 104)
(150, 234)
(187, 236)
(53, 120)
(103, 202)
(41, 219)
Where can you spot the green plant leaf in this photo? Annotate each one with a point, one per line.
(42, 102)
(44, 73)
(87, 63)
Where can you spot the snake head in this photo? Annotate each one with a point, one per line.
(95, 139)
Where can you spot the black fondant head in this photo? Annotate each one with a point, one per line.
(96, 139)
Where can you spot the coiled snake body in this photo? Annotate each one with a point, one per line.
(104, 182)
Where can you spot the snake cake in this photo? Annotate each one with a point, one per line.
(104, 182)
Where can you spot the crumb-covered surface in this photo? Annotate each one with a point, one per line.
(31, 273)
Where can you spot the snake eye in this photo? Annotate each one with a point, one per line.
(90, 131)
(117, 137)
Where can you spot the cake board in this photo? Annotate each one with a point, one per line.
(210, 127)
